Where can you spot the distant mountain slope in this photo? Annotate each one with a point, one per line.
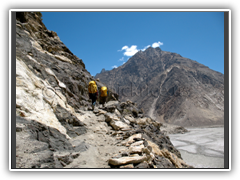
(170, 88)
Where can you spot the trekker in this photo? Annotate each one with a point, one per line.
(93, 92)
(103, 95)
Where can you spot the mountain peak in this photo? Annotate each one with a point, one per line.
(175, 83)
(150, 51)
(103, 70)
(152, 48)
(158, 49)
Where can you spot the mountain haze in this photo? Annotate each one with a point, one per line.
(170, 88)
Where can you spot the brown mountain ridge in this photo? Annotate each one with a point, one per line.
(170, 88)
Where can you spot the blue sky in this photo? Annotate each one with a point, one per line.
(109, 39)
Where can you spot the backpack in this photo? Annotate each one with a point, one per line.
(92, 87)
(103, 91)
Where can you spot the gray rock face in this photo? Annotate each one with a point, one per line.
(49, 59)
(40, 146)
(170, 88)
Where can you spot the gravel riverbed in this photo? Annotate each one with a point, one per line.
(201, 147)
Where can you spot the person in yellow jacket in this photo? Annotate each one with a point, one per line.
(93, 92)
(103, 95)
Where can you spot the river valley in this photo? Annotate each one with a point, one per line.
(201, 147)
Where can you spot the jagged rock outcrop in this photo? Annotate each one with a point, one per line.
(170, 88)
(47, 73)
(56, 128)
(41, 146)
(103, 70)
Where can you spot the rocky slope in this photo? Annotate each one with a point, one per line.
(170, 88)
(55, 125)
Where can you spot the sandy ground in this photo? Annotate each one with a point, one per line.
(201, 147)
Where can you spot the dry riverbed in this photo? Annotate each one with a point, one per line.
(201, 147)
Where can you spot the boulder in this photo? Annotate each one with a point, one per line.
(143, 121)
(109, 117)
(136, 149)
(117, 112)
(126, 121)
(147, 150)
(100, 112)
(138, 143)
(155, 148)
(110, 108)
(128, 109)
(148, 121)
(131, 139)
(119, 125)
(127, 160)
(130, 118)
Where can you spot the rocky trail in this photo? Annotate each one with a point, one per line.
(101, 146)
(109, 139)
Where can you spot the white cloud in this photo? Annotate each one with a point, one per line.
(124, 47)
(114, 66)
(157, 44)
(130, 51)
(123, 63)
(122, 59)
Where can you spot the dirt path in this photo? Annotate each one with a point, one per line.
(101, 146)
